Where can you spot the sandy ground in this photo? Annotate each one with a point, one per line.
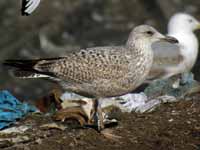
(174, 126)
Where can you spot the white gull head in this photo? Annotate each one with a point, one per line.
(182, 27)
(182, 22)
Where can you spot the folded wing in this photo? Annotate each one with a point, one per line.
(78, 67)
(166, 55)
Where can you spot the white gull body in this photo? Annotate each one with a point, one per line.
(170, 59)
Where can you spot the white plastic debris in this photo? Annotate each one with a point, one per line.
(134, 100)
(147, 105)
(17, 139)
(137, 102)
(70, 96)
(171, 120)
(20, 129)
(126, 102)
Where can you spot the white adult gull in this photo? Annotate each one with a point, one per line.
(172, 59)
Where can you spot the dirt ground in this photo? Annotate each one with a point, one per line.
(174, 126)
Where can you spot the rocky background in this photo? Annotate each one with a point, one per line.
(72, 24)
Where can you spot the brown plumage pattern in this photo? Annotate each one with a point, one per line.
(99, 71)
(94, 72)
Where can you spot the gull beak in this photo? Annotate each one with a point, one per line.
(169, 39)
(198, 26)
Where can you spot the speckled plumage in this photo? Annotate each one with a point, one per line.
(99, 71)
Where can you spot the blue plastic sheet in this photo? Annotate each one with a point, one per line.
(12, 109)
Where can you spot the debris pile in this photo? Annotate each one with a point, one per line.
(11, 109)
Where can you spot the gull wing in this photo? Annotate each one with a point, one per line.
(91, 64)
(83, 66)
(166, 55)
(28, 6)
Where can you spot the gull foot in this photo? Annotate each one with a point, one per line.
(187, 78)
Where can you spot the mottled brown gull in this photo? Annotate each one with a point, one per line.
(98, 72)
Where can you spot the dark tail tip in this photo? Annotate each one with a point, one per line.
(20, 64)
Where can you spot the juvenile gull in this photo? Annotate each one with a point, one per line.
(98, 72)
(171, 59)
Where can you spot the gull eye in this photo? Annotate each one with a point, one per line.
(190, 20)
(150, 32)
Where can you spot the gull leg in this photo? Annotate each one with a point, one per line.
(176, 84)
(98, 115)
(187, 78)
(176, 81)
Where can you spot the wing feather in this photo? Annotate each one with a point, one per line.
(88, 65)
(166, 55)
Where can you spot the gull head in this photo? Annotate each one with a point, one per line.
(147, 35)
(182, 22)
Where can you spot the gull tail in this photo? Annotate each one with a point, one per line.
(26, 74)
(38, 68)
